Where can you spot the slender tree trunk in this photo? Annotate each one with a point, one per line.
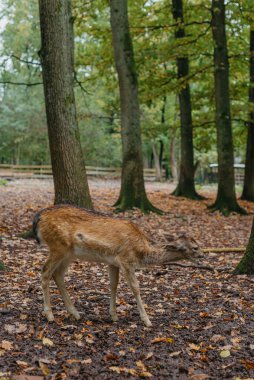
(246, 265)
(132, 192)
(173, 161)
(186, 185)
(248, 187)
(163, 121)
(57, 47)
(161, 153)
(226, 197)
(156, 162)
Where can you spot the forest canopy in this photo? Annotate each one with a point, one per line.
(23, 121)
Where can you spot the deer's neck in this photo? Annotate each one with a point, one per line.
(158, 256)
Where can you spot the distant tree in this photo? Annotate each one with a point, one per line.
(186, 186)
(57, 50)
(226, 198)
(132, 192)
(248, 187)
(246, 265)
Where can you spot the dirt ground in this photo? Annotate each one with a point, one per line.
(203, 322)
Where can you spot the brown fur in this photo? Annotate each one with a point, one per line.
(73, 233)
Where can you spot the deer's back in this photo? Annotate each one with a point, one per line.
(88, 234)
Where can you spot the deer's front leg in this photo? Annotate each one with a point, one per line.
(113, 279)
(132, 281)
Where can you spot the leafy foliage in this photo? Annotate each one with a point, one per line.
(156, 50)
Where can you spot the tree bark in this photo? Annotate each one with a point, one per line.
(57, 56)
(226, 198)
(132, 192)
(248, 187)
(173, 160)
(246, 265)
(156, 162)
(186, 185)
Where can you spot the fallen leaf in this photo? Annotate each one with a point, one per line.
(89, 340)
(142, 369)
(194, 347)
(44, 368)
(47, 342)
(111, 356)
(199, 376)
(149, 355)
(71, 361)
(176, 353)
(6, 345)
(119, 370)
(21, 363)
(162, 339)
(248, 364)
(87, 361)
(217, 338)
(225, 353)
(18, 328)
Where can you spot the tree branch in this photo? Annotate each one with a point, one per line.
(24, 61)
(21, 83)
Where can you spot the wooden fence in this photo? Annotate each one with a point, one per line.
(45, 171)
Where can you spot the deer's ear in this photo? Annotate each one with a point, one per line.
(175, 246)
(170, 238)
(183, 235)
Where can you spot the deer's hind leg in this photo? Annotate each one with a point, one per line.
(58, 277)
(114, 279)
(47, 271)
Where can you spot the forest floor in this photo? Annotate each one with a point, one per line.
(203, 322)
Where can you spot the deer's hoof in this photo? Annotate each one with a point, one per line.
(114, 317)
(75, 314)
(49, 315)
(147, 322)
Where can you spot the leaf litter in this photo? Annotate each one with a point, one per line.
(203, 322)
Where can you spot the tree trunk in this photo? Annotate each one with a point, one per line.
(161, 153)
(246, 265)
(57, 52)
(248, 187)
(132, 192)
(226, 197)
(156, 162)
(173, 161)
(186, 185)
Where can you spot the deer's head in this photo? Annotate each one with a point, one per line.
(182, 247)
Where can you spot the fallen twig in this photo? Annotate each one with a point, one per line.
(206, 267)
(221, 250)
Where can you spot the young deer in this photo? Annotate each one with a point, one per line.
(74, 233)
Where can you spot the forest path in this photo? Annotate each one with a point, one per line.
(203, 325)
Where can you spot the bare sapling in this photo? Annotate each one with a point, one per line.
(73, 233)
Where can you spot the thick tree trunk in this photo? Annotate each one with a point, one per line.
(57, 47)
(186, 185)
(132, 192)
(246, 265)
(248, 187)
(226, 197)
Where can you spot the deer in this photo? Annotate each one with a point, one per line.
(72, 233)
